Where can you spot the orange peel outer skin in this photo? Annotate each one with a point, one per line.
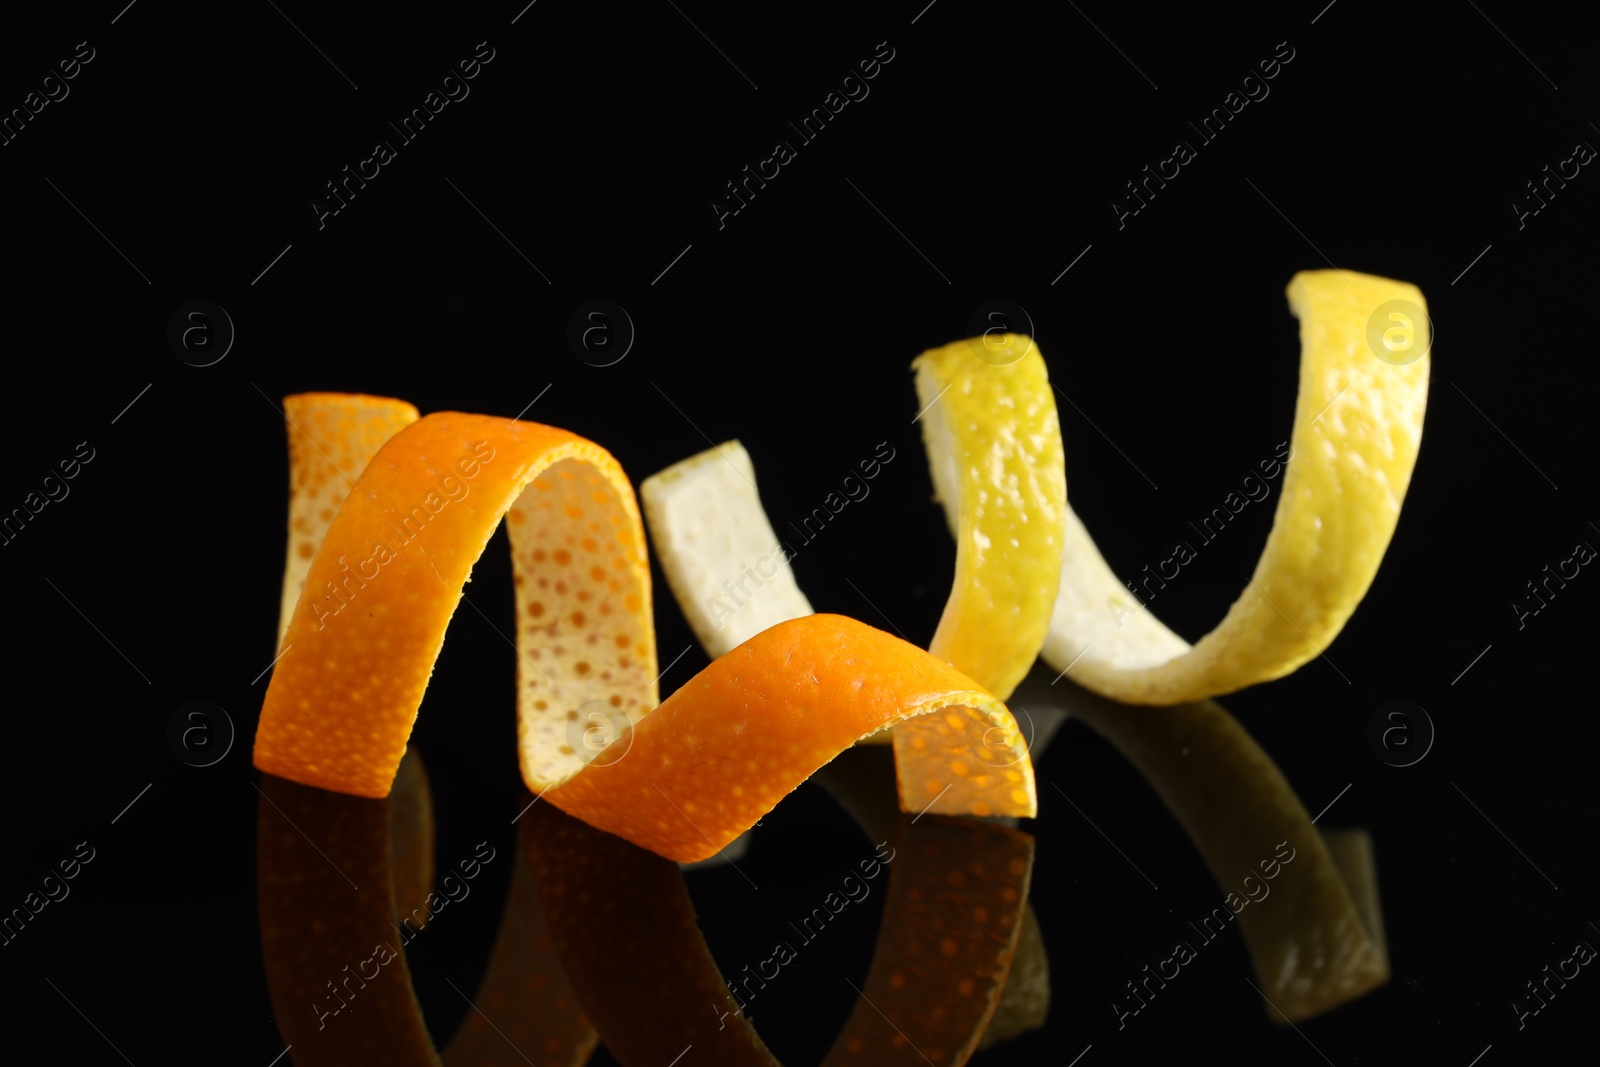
(724, 749)
(345, 691)
(683, 779)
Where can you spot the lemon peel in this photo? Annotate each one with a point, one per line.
(1357, 430)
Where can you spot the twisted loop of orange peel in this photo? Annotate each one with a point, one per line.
(391, 569)
(393, 565)
(1357, 428)
(724, 749)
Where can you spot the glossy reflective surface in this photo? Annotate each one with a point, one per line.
(161, 901)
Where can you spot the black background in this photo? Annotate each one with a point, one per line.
(995, 140)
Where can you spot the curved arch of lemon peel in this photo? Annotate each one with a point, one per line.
(994, 448)
(1357, 429)
(392, 567)
(994, 445)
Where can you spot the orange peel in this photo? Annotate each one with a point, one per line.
(743, 733)
(332, 438)
(391, 569)
(393, 566)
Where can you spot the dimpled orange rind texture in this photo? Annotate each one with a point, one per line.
(393, 568)
(734, 740)
(332, 438)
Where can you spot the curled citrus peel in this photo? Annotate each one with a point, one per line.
(1357, 428)
(391, 569)
(994, 445)
(743, 733)
(995, 453)
(724, 564)
(332, 438)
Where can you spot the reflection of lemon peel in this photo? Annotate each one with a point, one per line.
(1315, 939)
(1357, 428)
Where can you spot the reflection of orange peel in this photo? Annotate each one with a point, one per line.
(392, 566)
(321, 923)
(862, 781)
(950, 927)
(1357, 428)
